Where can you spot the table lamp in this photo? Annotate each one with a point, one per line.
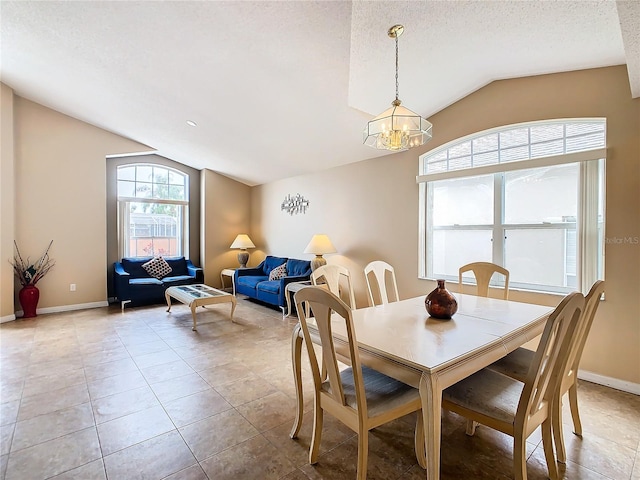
(319, 245)
(243, 242)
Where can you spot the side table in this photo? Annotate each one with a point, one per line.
(228, 272)
(289, 290)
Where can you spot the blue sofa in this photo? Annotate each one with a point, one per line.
(133, 283)
(255, 283)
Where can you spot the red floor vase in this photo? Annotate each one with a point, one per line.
(441, 303)
(29, 296)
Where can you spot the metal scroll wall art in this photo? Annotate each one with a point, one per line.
(295, 204)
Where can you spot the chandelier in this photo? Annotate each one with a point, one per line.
(397, 128)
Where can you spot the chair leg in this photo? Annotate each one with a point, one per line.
(420, 446)
(363, 452)
(317, 432)
(471, 427)
(558, 434)
(519, 457)
(573, 403)
(296, 358)
(547, 443)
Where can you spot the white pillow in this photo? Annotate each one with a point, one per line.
(278, 272)
(157, 267)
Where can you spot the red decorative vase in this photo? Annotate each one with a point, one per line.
(441, 303)
(29, 296)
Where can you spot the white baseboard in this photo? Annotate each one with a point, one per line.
(7, 318)
(616, 383)
(65, 308)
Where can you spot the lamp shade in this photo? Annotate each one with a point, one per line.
(319, 245)
(242, 241)
(397, 128)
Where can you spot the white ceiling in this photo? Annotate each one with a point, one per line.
(285, 88)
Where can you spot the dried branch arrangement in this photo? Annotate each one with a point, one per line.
(30, 273)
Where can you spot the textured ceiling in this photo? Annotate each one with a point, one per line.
(280, 89)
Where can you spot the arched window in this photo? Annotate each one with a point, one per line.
(529, 197)
(153, 209)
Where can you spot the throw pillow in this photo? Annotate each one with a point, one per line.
(278, 272)
(157, 267)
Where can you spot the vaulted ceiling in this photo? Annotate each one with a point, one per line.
(279, 89)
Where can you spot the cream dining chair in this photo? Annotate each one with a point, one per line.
(380, 271)
(329, 276)
(358, 396)
(336, 278)
(483, 271)
(518, 408)
(517, 363)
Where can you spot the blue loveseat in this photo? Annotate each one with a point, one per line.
(133, 283)
(255, 283)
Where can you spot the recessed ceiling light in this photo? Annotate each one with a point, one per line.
(191, 123)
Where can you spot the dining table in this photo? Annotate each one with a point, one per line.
(401, 340)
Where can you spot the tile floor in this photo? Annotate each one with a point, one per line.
(98, 394)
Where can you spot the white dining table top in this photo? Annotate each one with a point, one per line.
(404, 331)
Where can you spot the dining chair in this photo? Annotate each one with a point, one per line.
(380, 271)
(360, 397)
(516, 365)
(335, 277)
(483, 271)
(519, 408)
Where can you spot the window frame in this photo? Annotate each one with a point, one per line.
(124, 203)
(589, 235)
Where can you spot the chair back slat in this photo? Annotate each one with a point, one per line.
(592, 301)
(334, 277)
(483, 271)
(551, 357)
(385, 281)
(326, 307)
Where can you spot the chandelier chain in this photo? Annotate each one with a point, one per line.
(397, 67)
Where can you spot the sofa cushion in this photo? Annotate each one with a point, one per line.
(296, 268)
(272, 286)
(178, 265)
(251, 281)
(144, 281)
(157, 267)
(177, 280)
(278, 272)
(133, 266)
(272, 262)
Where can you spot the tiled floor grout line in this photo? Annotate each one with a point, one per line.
(198, 462)
(243, 341)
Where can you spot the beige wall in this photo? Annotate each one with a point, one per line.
(225, 213)
(60, 195)
(7, 202)
(370, 209)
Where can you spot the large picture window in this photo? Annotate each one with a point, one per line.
(526, 197)
(153, 208)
